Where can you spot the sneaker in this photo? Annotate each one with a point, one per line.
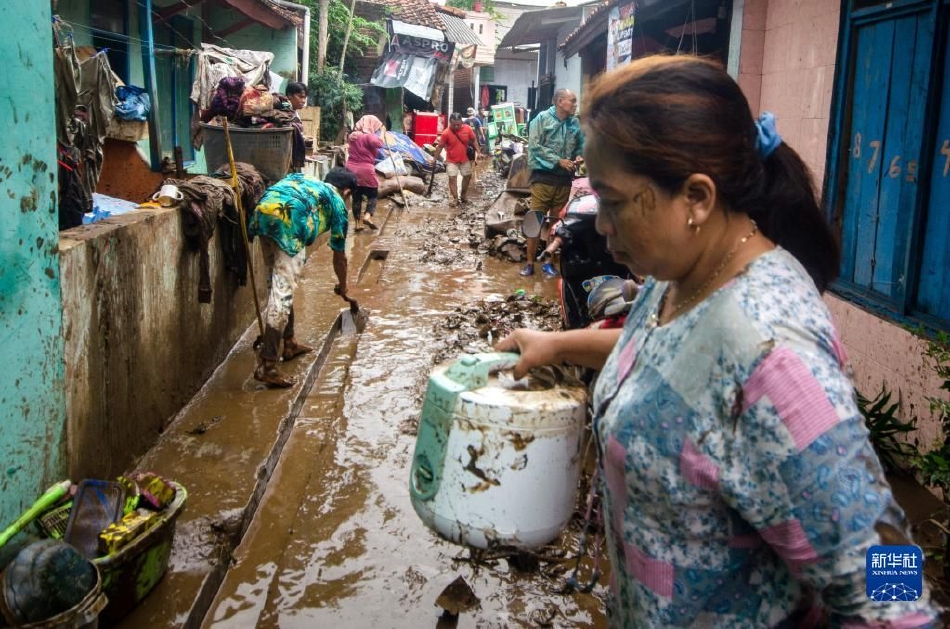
(527, 270)
(549, 270)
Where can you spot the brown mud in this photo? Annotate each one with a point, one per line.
(335, 541)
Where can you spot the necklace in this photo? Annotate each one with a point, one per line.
(655, 317)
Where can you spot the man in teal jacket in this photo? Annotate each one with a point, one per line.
(555, 146)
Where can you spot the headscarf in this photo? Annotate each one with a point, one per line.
(366, 124)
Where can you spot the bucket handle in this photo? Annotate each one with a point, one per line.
(472, 370)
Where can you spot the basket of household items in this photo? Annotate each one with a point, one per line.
(124, 528)
(260, 125)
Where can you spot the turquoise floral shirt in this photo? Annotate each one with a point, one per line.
(297, 209)
(740, 486)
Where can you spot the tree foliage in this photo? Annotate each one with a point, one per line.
(332, 90)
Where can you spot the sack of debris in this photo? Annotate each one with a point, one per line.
(389, 187)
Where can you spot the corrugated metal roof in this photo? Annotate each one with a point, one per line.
(457, 30)
(534, 27)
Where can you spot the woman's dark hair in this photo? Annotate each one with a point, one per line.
(341, 178)
(672, 117)
(295, 87)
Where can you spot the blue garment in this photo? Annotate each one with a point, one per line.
(297, 209)
(549, 140)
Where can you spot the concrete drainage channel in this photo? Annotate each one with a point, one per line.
(370, 273)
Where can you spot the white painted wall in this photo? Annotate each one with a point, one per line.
(517, 70)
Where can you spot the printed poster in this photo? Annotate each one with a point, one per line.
(620, 22)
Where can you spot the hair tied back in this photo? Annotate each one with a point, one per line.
(767, 137)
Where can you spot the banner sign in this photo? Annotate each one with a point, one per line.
(416, 74)
(421, 47)
(620, 35)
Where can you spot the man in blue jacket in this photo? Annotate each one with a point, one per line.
(555, 146)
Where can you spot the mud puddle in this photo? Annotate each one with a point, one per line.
(336, 541)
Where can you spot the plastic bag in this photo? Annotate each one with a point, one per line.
(386, 169)
(134, 103)
(256, 101)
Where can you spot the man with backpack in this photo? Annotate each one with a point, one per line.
(461, 152)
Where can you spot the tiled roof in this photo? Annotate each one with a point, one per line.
(590, 18)
(450, 10)
(419, 12)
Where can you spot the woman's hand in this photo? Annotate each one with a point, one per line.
(536, 349)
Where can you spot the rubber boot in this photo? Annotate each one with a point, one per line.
(266, 371)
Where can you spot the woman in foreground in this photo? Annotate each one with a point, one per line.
(740, 487)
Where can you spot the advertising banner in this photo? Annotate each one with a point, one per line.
(620, 35)
(421, 47)
(413, 73)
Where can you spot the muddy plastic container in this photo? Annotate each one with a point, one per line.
(496, 466)
(84, 614)
(131, 573)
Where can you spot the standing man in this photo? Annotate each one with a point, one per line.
(475, 123)
(456, 141)
(288, 218)
(297, 95)
(555, 146)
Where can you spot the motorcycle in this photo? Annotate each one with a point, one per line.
(505, 151)
(585, 265)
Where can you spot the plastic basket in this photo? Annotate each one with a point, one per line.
(53, 522)
(268, 150)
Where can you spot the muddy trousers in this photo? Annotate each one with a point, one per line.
(370, 193)
(283, 274)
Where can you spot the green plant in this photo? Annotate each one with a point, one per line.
(334, 95)
(934, 466)
(881, 418)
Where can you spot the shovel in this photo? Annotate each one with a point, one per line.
(352, 320)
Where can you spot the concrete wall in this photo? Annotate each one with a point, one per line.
(798, 68)
(787, 66)
(517, 70)
(32, 405)
(138, 343)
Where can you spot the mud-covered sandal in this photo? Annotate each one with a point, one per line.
(369, 223)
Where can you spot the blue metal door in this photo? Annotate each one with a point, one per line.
(933, 282)
(891, 72)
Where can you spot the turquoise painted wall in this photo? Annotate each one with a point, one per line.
(32, 398)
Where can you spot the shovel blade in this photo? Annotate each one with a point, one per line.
(352, 322)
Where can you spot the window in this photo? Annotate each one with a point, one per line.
(890, 160)
(487, 74)
(480, 27)
(109, 23)
(174, 74)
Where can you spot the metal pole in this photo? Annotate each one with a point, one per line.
(148, 67)
(236, 184)
(305, 64)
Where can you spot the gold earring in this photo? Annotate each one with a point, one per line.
(691, 225)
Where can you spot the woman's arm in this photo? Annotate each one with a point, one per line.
(586, 347)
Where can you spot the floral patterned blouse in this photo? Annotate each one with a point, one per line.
(740, 486)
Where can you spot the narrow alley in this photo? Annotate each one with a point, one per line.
(311, 484)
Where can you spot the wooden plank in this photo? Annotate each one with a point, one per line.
(901, 142)
(873, 51)
(933, 281)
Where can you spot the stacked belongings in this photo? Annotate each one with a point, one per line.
(250, 107)
(103, 541)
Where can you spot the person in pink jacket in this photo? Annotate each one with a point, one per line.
(364, 144)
